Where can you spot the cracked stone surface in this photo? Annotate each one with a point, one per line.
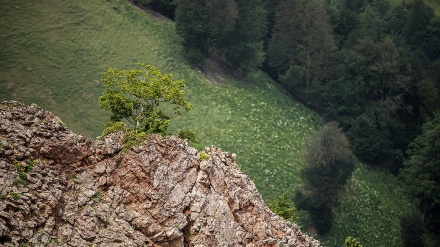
(58, 188)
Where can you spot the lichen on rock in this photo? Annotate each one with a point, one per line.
(60, 188)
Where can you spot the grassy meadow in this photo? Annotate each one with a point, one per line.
(53, 53)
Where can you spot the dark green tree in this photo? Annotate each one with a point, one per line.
(368, 98)
(419, 18)
(329, 164)
(192, 26)
(234, 29)
(422, 172)
(245, 45)
(302, 45)
(222, 19)
(137, 96)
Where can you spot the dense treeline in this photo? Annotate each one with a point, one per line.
(371, 67)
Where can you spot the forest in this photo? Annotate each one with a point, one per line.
(372, 67)
(369, 69)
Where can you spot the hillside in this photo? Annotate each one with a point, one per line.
(54, 52)
(59, 188)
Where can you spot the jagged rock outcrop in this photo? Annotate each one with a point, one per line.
(59, 188)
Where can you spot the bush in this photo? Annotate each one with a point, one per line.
(188, 135)
(284, 207)
(352, 242)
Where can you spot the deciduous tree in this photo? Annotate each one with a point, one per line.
(139, 95)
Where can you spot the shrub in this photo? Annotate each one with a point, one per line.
(284, 207)
(352, 242)
(188, 134)
(203, 156)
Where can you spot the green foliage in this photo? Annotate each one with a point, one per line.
(18, 182)
(188, 134)
(23, 176)
(135, 96)
(352, 242)
(430, 96)
(234, 29)
(245, 43)
(132, 139)
(284, 207)
(367, 140)
(114, 127)
(15, 196)
(203, 156)
(419, 18)
(302, 45)
(192, 27)
(330, 164)
(23, 170)
(368, 97)
(422, 171)
(370, 207)
(26, 244)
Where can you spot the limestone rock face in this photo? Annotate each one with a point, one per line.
(58, 188)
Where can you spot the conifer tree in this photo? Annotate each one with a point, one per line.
(302, 42)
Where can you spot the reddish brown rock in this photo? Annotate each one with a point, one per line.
(59, 188)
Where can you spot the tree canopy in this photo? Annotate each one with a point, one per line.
(302, 44)
(329, 164)
(234, 29)
(140, 97)
(422, 171)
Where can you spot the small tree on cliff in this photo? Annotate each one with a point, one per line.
(136, 96)
(352, 242)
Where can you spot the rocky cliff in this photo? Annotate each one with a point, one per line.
(59, 188)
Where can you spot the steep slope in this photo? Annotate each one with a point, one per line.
(53, 53)
(59, 187)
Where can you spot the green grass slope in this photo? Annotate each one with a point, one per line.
(371, 206)
(53, 53)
